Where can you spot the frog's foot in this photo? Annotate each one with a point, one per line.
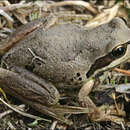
(109, 113)
(98, 114)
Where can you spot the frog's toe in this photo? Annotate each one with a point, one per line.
(106, 113)
(108, 117)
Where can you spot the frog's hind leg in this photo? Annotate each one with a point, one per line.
(58, 111)
(101, 113)
(36, 92)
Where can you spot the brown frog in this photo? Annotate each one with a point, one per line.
(62, 56)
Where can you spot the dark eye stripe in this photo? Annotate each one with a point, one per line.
(99, 63)
(116, 53)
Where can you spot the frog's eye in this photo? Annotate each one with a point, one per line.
(119, 51)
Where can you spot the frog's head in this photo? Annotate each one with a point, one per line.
(116, 49)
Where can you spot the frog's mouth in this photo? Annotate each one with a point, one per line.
(117, 56)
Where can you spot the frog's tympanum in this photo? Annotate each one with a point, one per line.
(62, 56)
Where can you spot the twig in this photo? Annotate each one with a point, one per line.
(127, 4)
(116, 105)
(23, 113)
(5, 113)
(126, 72)
(11, 126)
(16, 6)
(73, 16)
(3, 35)
(79, 3)
(3, 13)
(104, 17)
(10, 111)
(53, 126)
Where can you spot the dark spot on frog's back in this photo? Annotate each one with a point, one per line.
(78, 74)
(80, 79)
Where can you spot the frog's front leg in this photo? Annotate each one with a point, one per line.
(85, 101)
(99, 113)
(36, 92)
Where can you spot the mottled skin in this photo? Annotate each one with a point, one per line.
(65, 54)
(66, 50)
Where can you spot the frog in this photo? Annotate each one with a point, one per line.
(62, 56)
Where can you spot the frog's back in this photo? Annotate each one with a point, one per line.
(57, 51)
